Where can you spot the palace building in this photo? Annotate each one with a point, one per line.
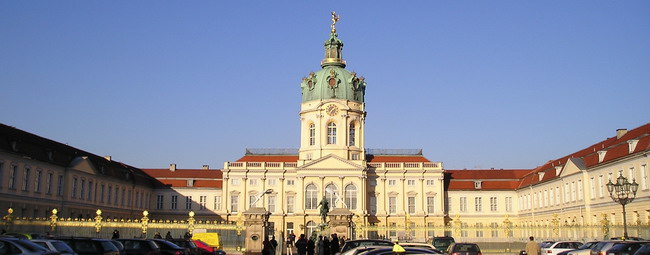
(391, 193)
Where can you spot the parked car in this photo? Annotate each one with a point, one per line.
(362, 249)
(463, 249)
(190, 247)
(626, 248)
(167, 247)
(90, 246)
(389, 251)
(134, 246)
(206, 247)
(55, 245)
(602, 247)
(12, 245)
(441, 243)
(351, 244)
(421, 246)
(560, 246)
(120, 246)
(644, 250)
(584, 249)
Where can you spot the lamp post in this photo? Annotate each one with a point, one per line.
(623, 192)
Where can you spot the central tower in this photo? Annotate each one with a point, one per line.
(332, 113)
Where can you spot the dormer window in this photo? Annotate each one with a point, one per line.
(540, 175)
(477, 184)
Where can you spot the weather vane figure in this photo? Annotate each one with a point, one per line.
(335, 18)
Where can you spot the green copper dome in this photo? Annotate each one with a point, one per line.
(333, 81)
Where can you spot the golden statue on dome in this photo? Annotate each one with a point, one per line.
(335, 18)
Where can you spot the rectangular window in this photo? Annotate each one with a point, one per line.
(592, 188)
(174, 202)
(128, 198)
(508, 204)
(449, 204)
(291, 201)
(567, 193)
(234, 181)
(117, 194)
(600, 186)
(352, 135)
(411, 205)
(495, 231)
(373, 205)
(493, 204)
(312, 134)
(234, 203)
(26, 178)
(431, 182)
(252, 181)
(393, 230)
(463, 204)
(12, 176)
(411, 182)
(478, 204)
(188, 203)
(217, 203)
(272, 182)
(159, 202)
(271, 204)
(430, 205)
(392, 182)
(331, 133)
(392, 205)
(202, 201)
(631, 174)
(580, 194)
(90, 191)
(37, 181)
(644, 179)
(101, 194)
(430, 229)
(551, 197)
(83, 189)
(109, 195)
(291, 182)
(48, 184)
(74, 187)
(573, 191)
(557, 195)
(479, 229)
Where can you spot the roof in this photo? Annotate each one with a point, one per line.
(369, 158)
(13, 140)
(491, 179)
(203, 178)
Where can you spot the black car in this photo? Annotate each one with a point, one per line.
(90, 246)
(12, 245)
(442, 242)
(167, 247)
(190, 247)
(407, 250)
(463, 249)
(134, 246)
(644, 250)
(351, 244)
(626, 248)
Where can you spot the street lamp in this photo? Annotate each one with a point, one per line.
(623, 192)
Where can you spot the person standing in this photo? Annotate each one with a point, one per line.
(168, 236)
(274, 245)
(334, 244)
(301, 245)
(266, 246)
(310, 246)
(321, 245)
(289, 246)
(532, 248)
(116, 234)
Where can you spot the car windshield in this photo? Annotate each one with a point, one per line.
(546, 244)
(109, 246)
(466, 248)
(587, 245)
(442, 242)
(61, 246)
(31, 246)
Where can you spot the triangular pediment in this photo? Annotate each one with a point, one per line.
(573, 166)
(82, 164)
(331, 162)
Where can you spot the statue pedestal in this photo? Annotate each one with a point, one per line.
(340, 222)
(256, 220)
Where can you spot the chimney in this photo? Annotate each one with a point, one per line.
(172, 167)
(109, 158)
(206, 167)
(620, 132)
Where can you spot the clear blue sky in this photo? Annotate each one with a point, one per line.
(476, 84)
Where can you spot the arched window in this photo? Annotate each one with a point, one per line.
(311, 197)
(312, 134)
(351, 196)
(311, 227)
(352, 133)
(331, 133)
(331, 198)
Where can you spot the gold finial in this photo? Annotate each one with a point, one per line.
(335, 18)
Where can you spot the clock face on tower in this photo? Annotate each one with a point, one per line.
(332, 110)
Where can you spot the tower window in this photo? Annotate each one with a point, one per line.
(312, 134)
(352, 142)
(331, 133)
